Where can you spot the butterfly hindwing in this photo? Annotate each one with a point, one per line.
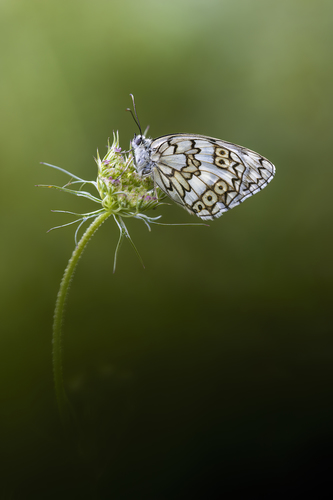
(207, 176)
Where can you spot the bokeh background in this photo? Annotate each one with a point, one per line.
(208, 373)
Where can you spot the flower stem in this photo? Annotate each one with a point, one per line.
(64, 407)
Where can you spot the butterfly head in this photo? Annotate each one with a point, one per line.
(137, 140)
(141, 141)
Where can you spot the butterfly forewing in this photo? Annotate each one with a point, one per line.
(206, 175)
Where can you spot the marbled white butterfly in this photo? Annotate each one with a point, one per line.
(207, 176)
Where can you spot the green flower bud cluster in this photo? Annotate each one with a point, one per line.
(120, 187)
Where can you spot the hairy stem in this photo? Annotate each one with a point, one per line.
(64, 407)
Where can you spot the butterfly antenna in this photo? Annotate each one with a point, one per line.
(135, 118)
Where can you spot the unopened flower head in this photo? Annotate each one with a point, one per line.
(121, 189)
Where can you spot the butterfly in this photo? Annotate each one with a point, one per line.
(206, 176)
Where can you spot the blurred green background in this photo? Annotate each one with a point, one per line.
(208, 373)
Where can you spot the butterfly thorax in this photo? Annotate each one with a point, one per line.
(142, 152)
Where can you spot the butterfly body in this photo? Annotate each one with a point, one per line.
(207, 176)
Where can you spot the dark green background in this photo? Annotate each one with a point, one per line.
(210, 370)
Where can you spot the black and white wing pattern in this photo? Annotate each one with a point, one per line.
(205, 175)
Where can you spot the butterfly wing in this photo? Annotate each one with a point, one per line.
(206, 175)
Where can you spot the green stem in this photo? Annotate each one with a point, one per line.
(66, 413)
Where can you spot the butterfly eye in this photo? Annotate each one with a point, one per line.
(138, 140)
